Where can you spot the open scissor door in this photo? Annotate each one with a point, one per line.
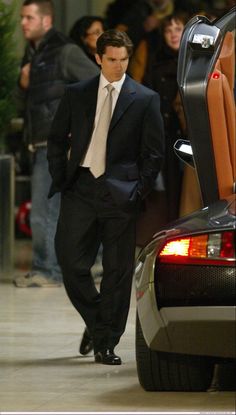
(206, 77)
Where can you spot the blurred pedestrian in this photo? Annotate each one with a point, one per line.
(141, 16)
(85, 33)
(50, 62)
(161, 75)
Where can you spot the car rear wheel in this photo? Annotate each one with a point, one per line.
(160, 371)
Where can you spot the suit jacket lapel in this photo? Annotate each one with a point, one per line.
(125, 99)
(91, 102)
(86, 125)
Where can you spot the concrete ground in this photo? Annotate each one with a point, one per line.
(42, 371)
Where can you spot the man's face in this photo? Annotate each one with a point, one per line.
(33, 23)
(114, 62)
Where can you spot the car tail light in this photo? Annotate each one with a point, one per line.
(214, 249)
(215, 75)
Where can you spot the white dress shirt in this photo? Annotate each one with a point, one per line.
(102, 93)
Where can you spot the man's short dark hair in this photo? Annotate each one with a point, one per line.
(114, 38)
(46, 7)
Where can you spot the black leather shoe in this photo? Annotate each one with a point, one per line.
(107, 357)
(86, 344)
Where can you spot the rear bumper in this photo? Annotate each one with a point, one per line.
(201, 330)
(209, 331)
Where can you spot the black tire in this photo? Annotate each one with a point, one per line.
(160, 371)
(227, 378)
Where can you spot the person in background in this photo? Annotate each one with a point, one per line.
(161, 76)
(50, 62)
(139, 17)
(116, 153)
(116, 10)
(85, 33)
(150, 43)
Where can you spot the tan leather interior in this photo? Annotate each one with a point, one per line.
(221, 107)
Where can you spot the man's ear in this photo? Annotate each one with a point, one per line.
(47, 22)
(98, 59)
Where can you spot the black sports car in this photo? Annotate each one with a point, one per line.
(186, 276)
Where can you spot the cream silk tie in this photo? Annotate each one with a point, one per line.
(97, 164)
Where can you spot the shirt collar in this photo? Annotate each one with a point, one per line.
(117, 84)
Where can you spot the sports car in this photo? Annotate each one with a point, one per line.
(185, 276)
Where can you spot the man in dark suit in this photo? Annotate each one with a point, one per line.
(113, 130)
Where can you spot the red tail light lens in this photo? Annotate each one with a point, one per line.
(228, 245)
(216, 248)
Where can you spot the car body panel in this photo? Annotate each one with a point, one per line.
(192, 330)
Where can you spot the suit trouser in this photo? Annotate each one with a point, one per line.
(89, 216)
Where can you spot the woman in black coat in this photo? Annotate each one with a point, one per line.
(161, 75)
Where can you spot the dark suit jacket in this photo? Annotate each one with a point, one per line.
(135, 143)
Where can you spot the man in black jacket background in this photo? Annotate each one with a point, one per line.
(50, 62)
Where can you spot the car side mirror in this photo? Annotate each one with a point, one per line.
(183, 150)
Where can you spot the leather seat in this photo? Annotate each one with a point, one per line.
(221, 108)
